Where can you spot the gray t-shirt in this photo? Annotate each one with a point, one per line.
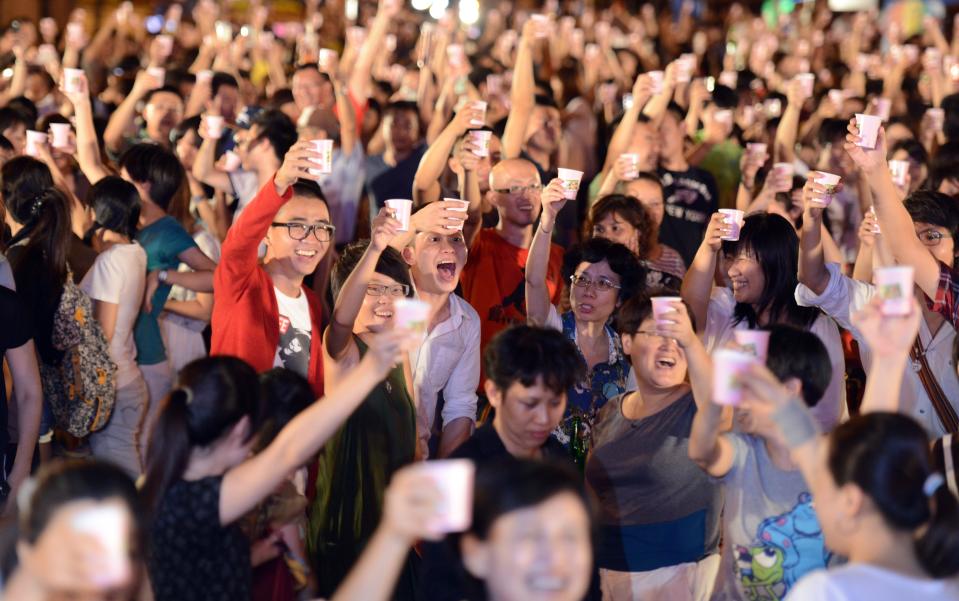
(771, 535)
(657, 508)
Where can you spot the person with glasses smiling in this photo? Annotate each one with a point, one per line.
(602, 274)
(263, 313)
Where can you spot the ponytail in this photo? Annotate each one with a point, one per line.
(169, 447)
(937, 548)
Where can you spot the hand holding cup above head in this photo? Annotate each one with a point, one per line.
(679, 326)
(388, 348)
(868, 229)
(299, 163)
(384, 228)
(716, 230)
(439, 217)
(553, 198)
(870, 160)
(887, 335)
(812, 194)
(626, 167)
(413, 505)
(465, 118)
(73, 84)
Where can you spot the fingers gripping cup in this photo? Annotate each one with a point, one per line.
(894, 285)
(34, 139)
(571, 179)
(868, 126)
(632, 159)
(480, 139)
(61, 135)
(402, 209)
(728, 368)
(454, 478)
(663, 307)
(324, 148)
(657, 77)
(413, 315)
(784, 173)
(753, 342)
(214, 126)
(231, 161)
(480, 106)
(830, 181)
(733, 218)
(458, 205)
(73, 80)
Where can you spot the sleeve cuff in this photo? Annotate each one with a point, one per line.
(805, 297)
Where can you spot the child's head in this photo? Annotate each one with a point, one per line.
(801, 362)
(210, 416)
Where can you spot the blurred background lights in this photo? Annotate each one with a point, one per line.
(438, 8)
(469, 11)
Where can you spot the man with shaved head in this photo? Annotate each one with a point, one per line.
(494, 278)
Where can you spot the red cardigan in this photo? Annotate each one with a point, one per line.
(246, 318)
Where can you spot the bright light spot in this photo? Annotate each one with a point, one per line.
(421, 4)
(469, 11)
(438, 9)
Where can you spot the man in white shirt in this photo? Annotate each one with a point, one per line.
(447, 364)
(823, 285)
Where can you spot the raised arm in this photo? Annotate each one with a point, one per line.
(360, 73)
(889, 338)
(88, 149)
(812, 268)
(619, 143)
(537, 261)
(521, 95)
(698, 284)
(204, 165)
(124, 114)
(426, 187)
(788, 127)
(252, 481)
(346, 116)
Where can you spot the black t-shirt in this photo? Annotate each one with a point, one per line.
(14, 333)
(691, 197)
(192, 556)
(40, 294)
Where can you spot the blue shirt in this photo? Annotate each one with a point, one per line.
(163, 240)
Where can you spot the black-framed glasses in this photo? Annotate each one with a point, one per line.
(931, 237)
(396, 290)
(602, 284)
(517, 190)
(299, 231)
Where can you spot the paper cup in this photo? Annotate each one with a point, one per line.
(753, 342)
(402, 209)
(773, 107)
(75, 33)
(165, 44)
(875, 228)
(785, 172)
(327, 59)
(686, 68)
(734, 218)
(480, 106)
(728, 367)
(808, 83)
(868, 130)
(214, 126)
(325, 148)
(458, 205)
(158, 73)
(204, 77)
(34, 138)
(633, 160)
(61, 134)
(411, 314)
(481, 140)
(894, 287)
(657, 78)
(454, 478)
(830, 181)
(110, 526)
(756, 149)
(899, 171)
(937, 117)
(571, 179)
(542, 25)
(231, 161)
(729, 79)
(662, 307)
(883, 108)
(73, 80)
(837, 97)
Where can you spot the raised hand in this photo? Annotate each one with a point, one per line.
(870, 161)
(679, 326)
(715, 230)
(887, 335)
(413, 502)
(437, 216)
(384, 229)
(553, 199)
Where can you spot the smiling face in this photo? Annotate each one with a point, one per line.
(376, 312)
(591, 304)
(538, 553)
(525, 415)
(517, 209)
(746, 275)
(436, 261)
(310, 88)
(298, 258)
(659, 362)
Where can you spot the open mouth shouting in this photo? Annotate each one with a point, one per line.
(446, 271)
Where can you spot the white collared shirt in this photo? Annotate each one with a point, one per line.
(844, 296)
(448, 361)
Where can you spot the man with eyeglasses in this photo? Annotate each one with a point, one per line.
(494, 280)
(263, 313)
(936, 220)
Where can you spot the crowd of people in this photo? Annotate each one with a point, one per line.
(560, 301)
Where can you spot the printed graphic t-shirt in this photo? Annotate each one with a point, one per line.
(293, 351)
(771, 535)
(691, 197)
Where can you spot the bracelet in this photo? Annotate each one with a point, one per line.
(796, 423)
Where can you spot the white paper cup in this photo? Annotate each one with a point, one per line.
(480, 139)
(899, 171)
(454, 478)
(773, 107)
(837, 97)
(729, 79)
(662, 307)
(402, 209)
(756, 149)
(327, 59)
(786, 171)
(808, 82)
(480, 106)
(633, 159)
(938, 118)
(458, 204)
(158, 73)
(325, 148)
(110, 526)
(231, 161)
(657, 78)
(411, 314)
(728, 367)
(753, 342)
(571, 179)
(61, 134)
(73, 80)
(34, 138)
(165, 43)
(883, 108)
(894, 287)
(75, 33)
(214, 126)
(830, 181)
(542, 25)
(734, 218)
(868, 130)
(205, 76)
(686, 68)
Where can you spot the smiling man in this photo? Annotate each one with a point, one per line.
(263, 313)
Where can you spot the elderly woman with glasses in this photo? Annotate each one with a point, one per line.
(602, 274)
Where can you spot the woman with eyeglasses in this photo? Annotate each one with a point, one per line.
(602, 274)
(380, 436)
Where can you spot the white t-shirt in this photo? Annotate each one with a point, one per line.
(118, 276)
(296, 327)
(860, 581)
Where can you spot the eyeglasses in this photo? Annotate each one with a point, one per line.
(395, 291)
(653, 334)
(603, 285)
(299, 231)
(931, 237)
(517, 190)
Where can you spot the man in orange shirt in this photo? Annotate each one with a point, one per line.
(493, 280)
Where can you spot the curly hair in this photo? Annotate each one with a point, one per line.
(630, 210)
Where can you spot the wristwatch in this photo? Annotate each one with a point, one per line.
(163, 275)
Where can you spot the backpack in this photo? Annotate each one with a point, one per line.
(81, 390)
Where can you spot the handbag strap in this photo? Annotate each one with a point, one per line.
(944, 409)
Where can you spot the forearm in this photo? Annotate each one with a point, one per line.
(359, 82)
(812, 268)
(88, 149)
(655, 109)
(119, 121)
(374, 575)
(29, 408)
(434, 159)
(862, 270)
(204, 169)
(521, 102)
(454, 434)
(609, 183)
(884, 383)
(537, 265)
(193, 309)
(698, 284)
(783, 149)
(622, 136)
(704, 433)
(347, 119)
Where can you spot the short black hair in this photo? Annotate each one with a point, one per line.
(944, 165)
(390, 264)
(183, 128)
(402, 105)
(916, 151)
(800, 354)
(153, 164)
(277, 128)
(524, 354)
(116, 205)
(220, 79)
(27, 108)
(283, 395)
(725, 97)
(166, 88)
(10, 117)
(632, 275)
(547, 101)
(936, 208)
(5, 144)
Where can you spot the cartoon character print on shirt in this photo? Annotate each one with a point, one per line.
(512, 309)
(294, 349)
(787, 547)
